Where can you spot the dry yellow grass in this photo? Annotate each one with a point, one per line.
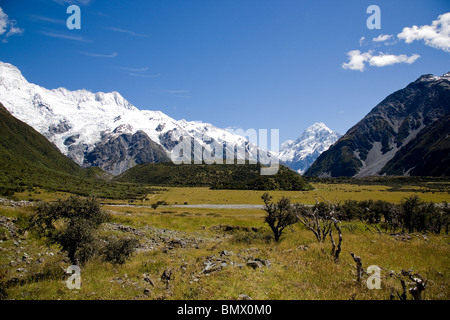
(294, 273)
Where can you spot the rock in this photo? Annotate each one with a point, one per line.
(266, 263)
(177, 243)
(237, 265)
(211, 267)
(254, 264)
(167, 275)
(226, 253)
(244, 297)
(21, 270)
(303, 247)
(230, 228)
(149, 280)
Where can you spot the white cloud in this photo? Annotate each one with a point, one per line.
(129, 32)
(8, 26)
(47, 19)
(64, 36)
(358, 60)
(3, 21)
(382, 37)
(361, 41)
(436, 35)
(142, 75)
(14, 30)
(97, 55)
(388, 59)
(134, 69)
(139, 72)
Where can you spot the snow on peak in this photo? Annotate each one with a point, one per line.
(431, 77)
(60, 114)
(302, 152)
(318, 127)
(4, 66)
(10, 76)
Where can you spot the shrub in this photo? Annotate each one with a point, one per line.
(117, 251)
(251, 237)
(154, 206)
(319, 219)
(279, 215)
(410, 212)
(3, 284)
(349, 210)
(72, 224)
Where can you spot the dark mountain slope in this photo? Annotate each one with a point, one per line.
(21, 147)
(427, 155)
(29, 160)
(369, 145)
(116, 154)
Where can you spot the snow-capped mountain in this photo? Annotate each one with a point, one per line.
(405, 134)
(103, 129)
(301, 153)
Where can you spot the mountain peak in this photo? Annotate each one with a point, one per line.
(102, 129)
(318, 126)
(391, 139)
(8, 66)
(301, 153)
(10, 75)
(431, 77)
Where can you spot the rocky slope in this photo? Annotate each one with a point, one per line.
(103, 129)
(372, 146)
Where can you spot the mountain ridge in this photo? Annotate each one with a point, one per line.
(299, 154)
(80, 122)
(370, 144)
(28, 161)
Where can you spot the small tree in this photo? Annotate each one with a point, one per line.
(70, 223)
(318, 219)
(411, 212)
(279, 215)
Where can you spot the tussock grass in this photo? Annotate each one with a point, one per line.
(300, 267)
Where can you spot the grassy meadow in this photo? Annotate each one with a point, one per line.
(187, 240)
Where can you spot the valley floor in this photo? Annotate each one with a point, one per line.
(208, 251)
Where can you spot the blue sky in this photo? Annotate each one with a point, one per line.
(233, 63)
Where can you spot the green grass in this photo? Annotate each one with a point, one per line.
(294, 273)
(28, 161)
(215, 176)
(332, 192)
